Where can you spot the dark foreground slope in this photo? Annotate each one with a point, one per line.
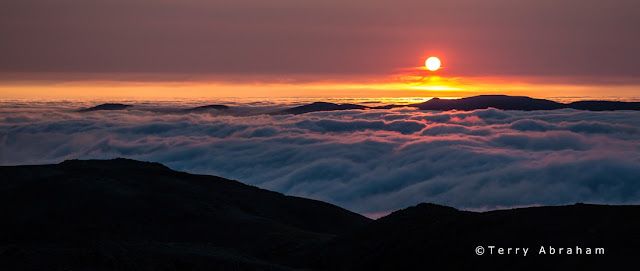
(443, 238)
(128, 215)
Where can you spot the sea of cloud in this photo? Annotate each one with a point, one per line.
(369, 161)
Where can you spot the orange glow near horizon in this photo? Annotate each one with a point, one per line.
(415, 82)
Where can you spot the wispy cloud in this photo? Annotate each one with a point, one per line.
(369, 161)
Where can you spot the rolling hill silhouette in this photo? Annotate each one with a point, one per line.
(106, 106)
(604, 105)
(122, 213)
(502, 102)
(206, 108)
(443, 238)
(522, 103)
(129, 215)
(319, 106)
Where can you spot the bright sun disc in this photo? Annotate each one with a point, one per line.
(432, 63)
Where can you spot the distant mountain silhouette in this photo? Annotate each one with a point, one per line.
(319, 106)
(106, 106)
(502, 102)
(523, 103)
(128, 215)
(604, 105)
(205, 108)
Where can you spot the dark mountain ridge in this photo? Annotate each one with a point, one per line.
(206, 108)
(522, 103)
(604, 105)
(502, 102)
(318, 107)
(106, 106)
(150, 209)
(445, 238)
(127, 215)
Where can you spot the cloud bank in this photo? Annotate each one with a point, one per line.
(369, 161)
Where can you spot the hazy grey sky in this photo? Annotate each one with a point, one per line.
(591, 38)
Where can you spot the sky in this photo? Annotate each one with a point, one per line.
(162, 48)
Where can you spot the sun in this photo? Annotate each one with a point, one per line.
(432, 63)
